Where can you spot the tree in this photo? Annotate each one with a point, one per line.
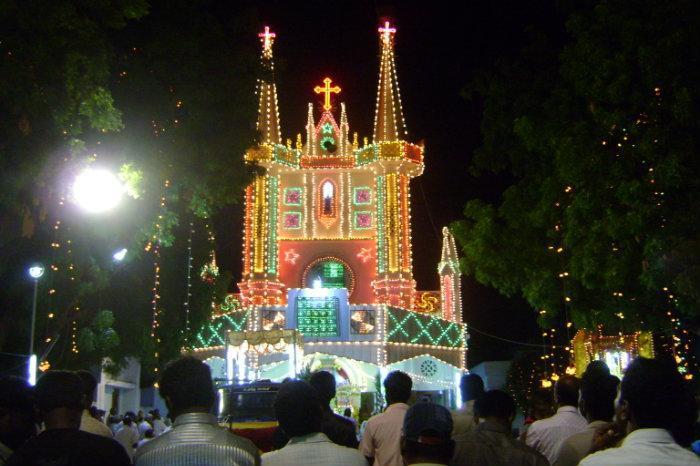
(599, 136)
(162, 92)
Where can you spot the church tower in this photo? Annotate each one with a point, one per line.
(327, 251)
(328, 211)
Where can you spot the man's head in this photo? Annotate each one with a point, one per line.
(496, 406)
(597, 366)
(298, 408)
(398, 387)
(598, 392)
(186, 386)
(324, 383)
(128, 419)
(471, 386)
(156, 414)
(17, 417)
(89, 385)
(654, 395)
(427, 434)
(566, 391)
(541, 403)
(60, 397)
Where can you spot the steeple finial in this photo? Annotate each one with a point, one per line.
(268, 114)
(389, 124)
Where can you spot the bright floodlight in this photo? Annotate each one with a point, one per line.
(119, 255)
(31, 371)
(36, 271)
(317, 284)
(97, 190)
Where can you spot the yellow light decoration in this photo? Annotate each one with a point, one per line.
(327, 90)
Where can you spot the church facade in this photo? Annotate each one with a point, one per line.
(327, 278)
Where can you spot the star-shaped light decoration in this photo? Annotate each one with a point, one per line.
(365, 255)
(291, 256)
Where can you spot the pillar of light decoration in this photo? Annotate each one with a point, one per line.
(259, 284)
(394, 284)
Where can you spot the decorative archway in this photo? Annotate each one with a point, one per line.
(332, 272)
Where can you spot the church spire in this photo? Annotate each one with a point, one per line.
(268, 115)
(389, 124)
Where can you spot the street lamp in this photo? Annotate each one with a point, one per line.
(120, 254)
(97, 190)
(36, 272)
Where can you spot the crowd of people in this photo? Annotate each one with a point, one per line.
(648, 418)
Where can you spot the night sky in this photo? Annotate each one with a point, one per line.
(439, 47)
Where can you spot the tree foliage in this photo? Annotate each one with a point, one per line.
(599, 137)
(160, 92)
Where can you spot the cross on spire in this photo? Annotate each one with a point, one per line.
(267, 39)
(387, 31)
(327, 90)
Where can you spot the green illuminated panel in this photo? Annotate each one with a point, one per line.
(413, 327)
(318, 316)
(331, 273)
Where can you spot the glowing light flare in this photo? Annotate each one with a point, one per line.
(327, 90)
(97, 190)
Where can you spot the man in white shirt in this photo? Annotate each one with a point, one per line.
(472, 387)
(597, 404)
(382, 437)
(546, 434)
(145, 425)
(655, 409)
(299, 413)
(127, 436)
(87, 422)
(158, 425)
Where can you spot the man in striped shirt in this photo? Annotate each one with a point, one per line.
(545, 435)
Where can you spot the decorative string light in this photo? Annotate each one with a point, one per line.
(188, 290)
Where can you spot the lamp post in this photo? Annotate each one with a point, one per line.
(36, 272)
(97, 190)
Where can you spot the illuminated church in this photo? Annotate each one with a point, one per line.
(327, 253)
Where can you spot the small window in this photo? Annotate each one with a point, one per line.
(327, 197)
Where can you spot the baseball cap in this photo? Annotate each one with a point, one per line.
(428, 423)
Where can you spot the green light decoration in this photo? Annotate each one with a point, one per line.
(366, 155)
(410, 327)
(286, 156)
(318, 316)
(213, 333)
(292, 196)
(273, 183)
(328, 143)
(327, 128)
(381, 258)
(331, 273)
(361, 195)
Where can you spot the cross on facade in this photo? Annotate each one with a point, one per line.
(267, 38)
(327, 89)
(387, 32)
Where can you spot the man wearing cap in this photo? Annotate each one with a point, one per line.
(427, 435)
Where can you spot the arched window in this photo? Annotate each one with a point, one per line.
(327, 199)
